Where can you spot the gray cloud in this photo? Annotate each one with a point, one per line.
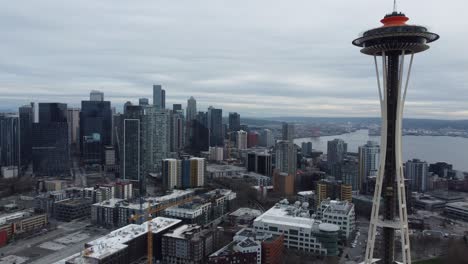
(260, 58)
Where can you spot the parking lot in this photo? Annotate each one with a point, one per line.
(67, 239)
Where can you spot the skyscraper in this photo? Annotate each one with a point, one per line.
(266, 138)
(306, 148)
(50, 145)
(336, 150)
(9, 140)
(130, 139)
(252, 139)
(177, 134)
(234, 122)
(288, 132)
(392, 42)
(96, 96)
(159, 97)
(26, 119)
(241, 139)
(191, 109)
(286, 157)
(95, 129)
(368, 161)
(156, 140)
(215, 125)
(416, 171)
(176, 107)
(73, 119)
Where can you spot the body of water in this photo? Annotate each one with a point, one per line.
(453, 150)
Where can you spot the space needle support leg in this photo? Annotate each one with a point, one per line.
(383, 143)
(402, 203)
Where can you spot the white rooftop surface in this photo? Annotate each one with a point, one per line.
(279, 216)
(8, 217)
(173, 195)
(246, 211)
(12, 259)
(177, 233)
(329, 227)
(115, 240)
(305, 193)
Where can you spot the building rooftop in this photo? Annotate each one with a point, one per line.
(116, 240)
(284, 214)
(458, 205)
(338, 207)
(185, 231)
(6, 218)
(222, 167)
(243, 211)
(74, 202)
(306, 193)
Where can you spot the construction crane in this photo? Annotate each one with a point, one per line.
(150, 236)
(149, 216)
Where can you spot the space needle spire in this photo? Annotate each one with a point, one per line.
(390, 46)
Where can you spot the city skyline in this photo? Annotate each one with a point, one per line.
(293, 67)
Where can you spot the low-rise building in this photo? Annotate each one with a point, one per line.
(22, 223)
(228, 171)
(427, 202)
(204, 208)
(244, 216)
(306, 197)
(188, 244)
(300, 230)
(70, 209)
(457, 210)
(125, 245)
(117, 212)
(340, 213)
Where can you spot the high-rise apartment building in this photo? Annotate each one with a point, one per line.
(288, 132)
(368, 155)
(26, 119)
(186, 173)
(252, 139)
(159, 97)
(234, 122)
(178, 128)
(241, 139)
(416, 171)
(333, 190)
(156, 138)
(215, 125)
(50, 144)
(96, 96)
(286, 157)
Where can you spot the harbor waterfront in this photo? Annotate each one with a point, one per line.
(452, 150)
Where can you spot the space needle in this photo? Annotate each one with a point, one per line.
(390, 45)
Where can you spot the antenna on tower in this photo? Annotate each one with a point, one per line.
(394, 6)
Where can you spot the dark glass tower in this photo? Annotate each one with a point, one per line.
(9, 140)
(392, 42)
(50, 146)
(26, 116)
(215, 125)
(234, 122)
(95, 129)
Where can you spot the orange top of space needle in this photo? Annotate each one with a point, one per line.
(394, 19)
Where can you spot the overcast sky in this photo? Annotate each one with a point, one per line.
(259, 58)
